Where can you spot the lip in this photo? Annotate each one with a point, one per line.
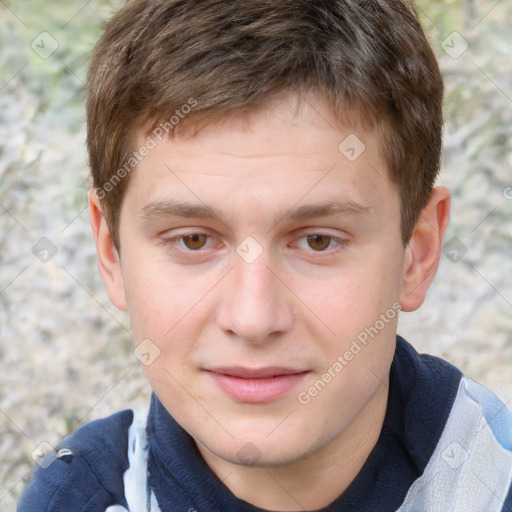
(256, 385)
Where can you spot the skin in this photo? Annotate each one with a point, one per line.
(300, 304)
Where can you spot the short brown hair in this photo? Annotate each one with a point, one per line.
(368, 57)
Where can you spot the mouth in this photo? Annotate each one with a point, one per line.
(256, 385)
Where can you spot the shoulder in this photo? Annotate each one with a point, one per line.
(472, 463)
(457, 431)
(425, 375)
(86, 470)
(423, 389)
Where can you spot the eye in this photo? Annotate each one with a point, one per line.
(188, 242)
(195, 242)
(319, 242)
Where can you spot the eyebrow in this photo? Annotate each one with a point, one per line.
(170, 208)
(163, 209)
(329, 209)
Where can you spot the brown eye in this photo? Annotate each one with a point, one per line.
(195, 242)
(319, 242)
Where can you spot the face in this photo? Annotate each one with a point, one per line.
(262, 262)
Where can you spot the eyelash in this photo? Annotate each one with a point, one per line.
(171, 243)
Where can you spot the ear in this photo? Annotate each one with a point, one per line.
(109, 262)
(424, 249)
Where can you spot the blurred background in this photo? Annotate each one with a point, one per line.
(66, 354)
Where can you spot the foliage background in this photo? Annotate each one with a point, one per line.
(65, 352)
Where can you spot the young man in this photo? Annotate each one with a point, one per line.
(263, 206)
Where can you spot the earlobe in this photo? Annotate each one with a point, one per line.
(424, 249)
(109, 263)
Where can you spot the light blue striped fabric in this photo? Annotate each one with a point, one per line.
(138, 495)
(471, 468)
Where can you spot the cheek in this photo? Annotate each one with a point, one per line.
(154, 298)
(168, 307)
(354, 298)
(151, 310)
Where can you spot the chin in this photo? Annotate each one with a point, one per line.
(256, 448)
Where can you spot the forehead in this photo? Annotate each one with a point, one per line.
(292, 152)
(268, 126)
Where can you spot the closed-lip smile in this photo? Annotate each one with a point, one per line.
(256, 385)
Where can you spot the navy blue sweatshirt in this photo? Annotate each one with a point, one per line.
(422, 391)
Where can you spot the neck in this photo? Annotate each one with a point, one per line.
(313, 482)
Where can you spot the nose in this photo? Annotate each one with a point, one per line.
(255, 306)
